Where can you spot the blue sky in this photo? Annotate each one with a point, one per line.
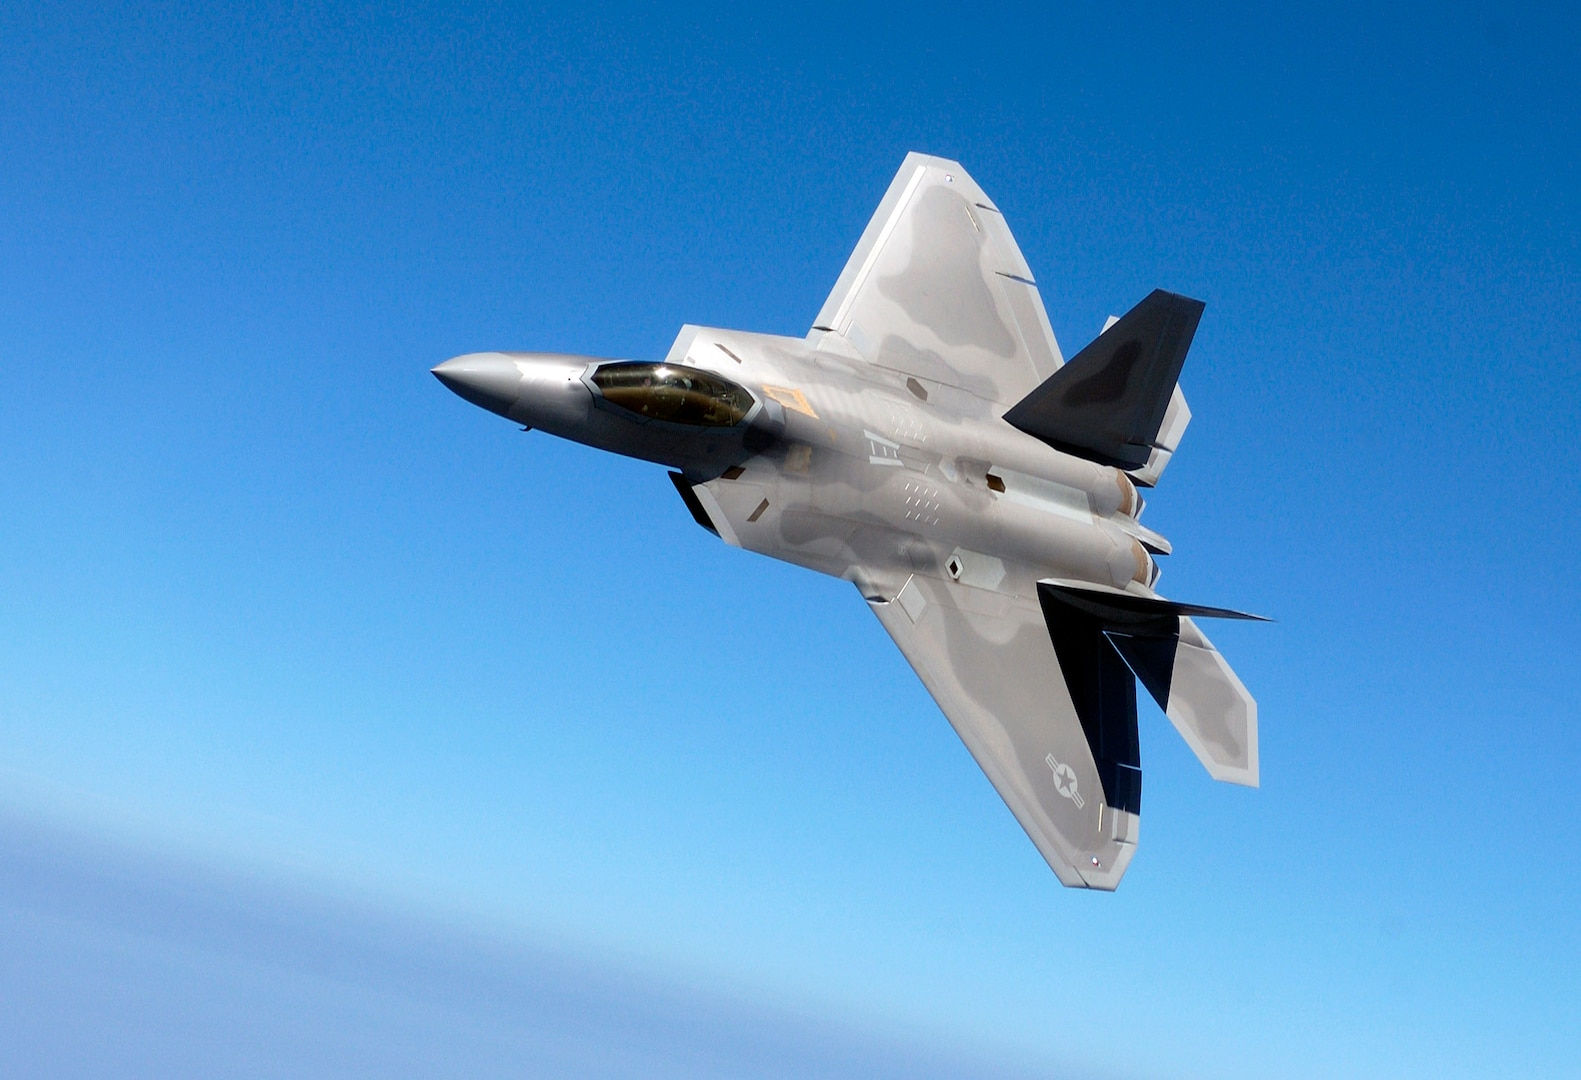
(280, 614)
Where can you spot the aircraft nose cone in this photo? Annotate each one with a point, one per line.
(488, 380)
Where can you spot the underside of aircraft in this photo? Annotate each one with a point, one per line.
(928, 442)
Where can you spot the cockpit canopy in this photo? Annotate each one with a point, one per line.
(679, 395)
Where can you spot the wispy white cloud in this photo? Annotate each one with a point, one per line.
(115, 961)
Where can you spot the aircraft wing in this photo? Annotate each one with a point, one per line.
(938, 289)
(989, 662)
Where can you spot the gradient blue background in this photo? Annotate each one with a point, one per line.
(302, 658)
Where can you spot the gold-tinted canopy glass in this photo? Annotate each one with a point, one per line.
(679, 395)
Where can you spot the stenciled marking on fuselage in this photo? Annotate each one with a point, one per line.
(882, 451)
(922, 503)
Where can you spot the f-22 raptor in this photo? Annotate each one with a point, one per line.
(927, 442)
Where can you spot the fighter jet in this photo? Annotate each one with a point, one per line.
(927, 442)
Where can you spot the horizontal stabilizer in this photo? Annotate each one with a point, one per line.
(1108, 404)
(1173, 659)
(1212, 709)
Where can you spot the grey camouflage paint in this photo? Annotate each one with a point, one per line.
(875, 452)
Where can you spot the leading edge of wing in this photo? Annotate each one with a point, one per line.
(989, 663)
(938, 288)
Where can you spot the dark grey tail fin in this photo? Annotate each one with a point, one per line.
(1107, 405)
(1103, 637)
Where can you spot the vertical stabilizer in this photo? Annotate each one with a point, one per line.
(1176, 417)
(1117, 402)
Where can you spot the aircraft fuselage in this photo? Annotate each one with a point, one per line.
(867, 474)
(927, 442)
